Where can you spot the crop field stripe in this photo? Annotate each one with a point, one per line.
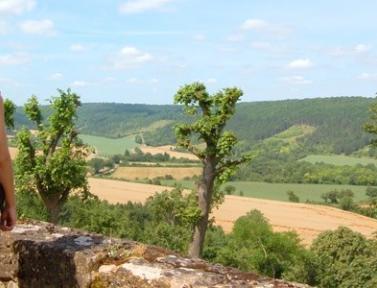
(340, 160)
(278, 191)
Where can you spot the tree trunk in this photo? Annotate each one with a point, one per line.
(53, 215)
(205, 191)
(53, 209)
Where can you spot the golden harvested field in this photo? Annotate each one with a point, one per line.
(307, 220)
(169, 149)
(13, 152)
(132, 173)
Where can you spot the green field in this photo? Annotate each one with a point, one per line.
(339, 160)
(278, 191)
(109, 146)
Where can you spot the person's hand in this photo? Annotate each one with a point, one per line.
(8, 218)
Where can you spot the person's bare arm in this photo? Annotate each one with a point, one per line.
(8, 215)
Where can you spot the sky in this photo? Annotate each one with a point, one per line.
(142, 51)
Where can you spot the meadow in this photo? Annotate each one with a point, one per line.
(339, 160)
(110, 146)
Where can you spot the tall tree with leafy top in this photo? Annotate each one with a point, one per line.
(51, 161)
(210, 116)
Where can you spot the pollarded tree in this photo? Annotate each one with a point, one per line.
(51, 162)
(211, 114)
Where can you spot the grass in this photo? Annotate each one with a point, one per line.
(109, 146)
(340, 160)
(278, 191)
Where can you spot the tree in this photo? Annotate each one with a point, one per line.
(229, 189)
(9, 109)
(345, 259)
(138, 139)
(371, 192)
(292, 197)
(210, 115)
(253, 246)
(52, 163)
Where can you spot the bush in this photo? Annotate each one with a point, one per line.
(253, 246)
(292, 197)
(346, 203)
(229, 189)
(345, 259)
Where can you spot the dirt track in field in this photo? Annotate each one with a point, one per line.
(307, 220)
(133, 173)
(169, 149)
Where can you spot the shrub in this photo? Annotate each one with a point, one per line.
(292, 197)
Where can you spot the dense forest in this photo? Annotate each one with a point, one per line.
(338, 121)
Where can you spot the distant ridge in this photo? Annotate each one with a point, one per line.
(338, 121)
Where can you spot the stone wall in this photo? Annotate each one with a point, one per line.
(40, 255)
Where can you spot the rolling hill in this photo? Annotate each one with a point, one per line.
(337, 122)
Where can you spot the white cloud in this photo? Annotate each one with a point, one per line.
(362, 48)
(155, 81)
(300, 64)
(77, 47)
(296, 80)
(108, 79)
(56, 76)
(137, 6)
(129, 57)
(3, 28)
(254, 24)
(132, 80)
(367, 76)
(38, 27)
(16, 6)
(9, 81)
(358, 49)
(79, 83)
(200, 37)
(14, 59)
(261, 45)
(265, 27)
(236, 37)
(211, 81)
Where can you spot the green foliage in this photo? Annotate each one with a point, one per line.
(371, 125)
(253, 246)
(229, 189)
(9, 110)
(343, 197)
(347, 203)
(371, 192)
(29, 205)
(138, 139)
(98, 164)
(137, 155)
(292, 197)
(211, 113)
(346, 259)
(51, 163)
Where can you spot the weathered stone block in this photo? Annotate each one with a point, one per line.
(40, 255)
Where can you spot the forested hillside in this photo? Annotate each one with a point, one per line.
(338, 121)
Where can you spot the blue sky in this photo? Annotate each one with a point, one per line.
(142, 51)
